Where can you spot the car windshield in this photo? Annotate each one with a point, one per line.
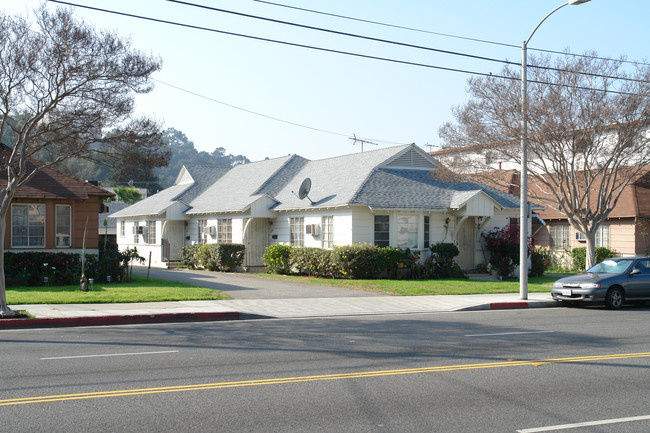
(611, 266)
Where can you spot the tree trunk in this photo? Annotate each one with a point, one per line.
(590, 258)
(5, 311)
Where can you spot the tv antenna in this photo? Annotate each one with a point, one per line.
(356, 140)
(303, 192)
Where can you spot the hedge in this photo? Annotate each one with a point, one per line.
(313, 261)
(61, 269)
(580, 256)
(214, 257)
(277, 259)
(362, 261)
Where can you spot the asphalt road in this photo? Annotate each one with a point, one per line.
(492, 371)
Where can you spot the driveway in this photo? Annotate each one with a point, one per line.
(247, 286)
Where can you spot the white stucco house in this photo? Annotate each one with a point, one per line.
(383, 197)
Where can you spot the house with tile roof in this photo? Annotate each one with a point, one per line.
(51, 213)
(626, 230)
(387, 197)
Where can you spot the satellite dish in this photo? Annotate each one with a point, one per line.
(305, 186)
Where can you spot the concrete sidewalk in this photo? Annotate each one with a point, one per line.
(261, 298)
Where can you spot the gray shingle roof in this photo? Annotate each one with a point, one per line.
(390, 178)
(204, 176)
(335, 181)
(238, 188)
(417, 189)
(155, 204)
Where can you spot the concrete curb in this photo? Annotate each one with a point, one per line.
(249, 312)
(514, 305)
(50, 322)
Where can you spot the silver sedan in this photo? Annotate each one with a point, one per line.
(612, 281)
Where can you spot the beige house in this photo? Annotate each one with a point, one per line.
(626, 231)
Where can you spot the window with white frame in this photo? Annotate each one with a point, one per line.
(327, 224)
(122, 229)
(203, 231)
(602, 236)
(224, 231)
(407, 231)
(559, 236)
(297, 231)
(28, 225)
(63, 225)
(151, 232)
(136, 234)
(382, 230)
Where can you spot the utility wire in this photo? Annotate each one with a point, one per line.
(329, 50)
(336, 32)
(264, 115)
(445, 34)
(413, 29)
(402, 44)
(292, 44)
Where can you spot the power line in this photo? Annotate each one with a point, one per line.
(402, 44)
(386, 24)
(445, 34)
(277, 119)
(329, 50)
(259, 38)
(336, 32)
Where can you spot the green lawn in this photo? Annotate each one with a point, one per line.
(139, 290)
(426, 287)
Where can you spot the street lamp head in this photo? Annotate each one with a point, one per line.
(577, 2)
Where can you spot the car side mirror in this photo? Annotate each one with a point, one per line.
(635, 271)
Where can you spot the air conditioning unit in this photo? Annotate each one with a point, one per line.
(312, 229)
(213, 231)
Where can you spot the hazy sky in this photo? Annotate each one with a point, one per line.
(205, 75)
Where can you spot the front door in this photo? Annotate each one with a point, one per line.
(466, 240)
(173, 240)
(256, 241)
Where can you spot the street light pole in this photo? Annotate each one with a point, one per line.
(524, 210)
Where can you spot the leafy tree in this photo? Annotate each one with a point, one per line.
(184, 153)
(127, 194)
(67, 90)
(587, 132)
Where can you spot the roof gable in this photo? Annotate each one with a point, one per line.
(411, 158)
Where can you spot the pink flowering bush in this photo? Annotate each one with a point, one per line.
(503, 246)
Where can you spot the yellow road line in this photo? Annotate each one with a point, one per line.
(285, 380)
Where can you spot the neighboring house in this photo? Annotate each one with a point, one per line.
(51, 213)
(626, 231)
(386, 197)
(107, 225)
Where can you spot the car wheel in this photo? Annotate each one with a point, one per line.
(614, 298)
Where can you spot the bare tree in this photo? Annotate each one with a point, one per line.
(587, 133)
(67, 90)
